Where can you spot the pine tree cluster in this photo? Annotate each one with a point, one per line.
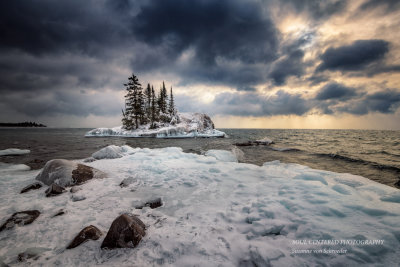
(143, 106)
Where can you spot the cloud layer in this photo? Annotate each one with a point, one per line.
(254, 58)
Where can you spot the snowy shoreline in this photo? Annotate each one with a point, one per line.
(215, 211)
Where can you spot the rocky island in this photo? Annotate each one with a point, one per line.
(187, 125)
(148, 115)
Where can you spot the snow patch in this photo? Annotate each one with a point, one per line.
(14, 151)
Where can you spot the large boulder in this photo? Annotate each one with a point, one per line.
(67, 173)
(126, 231)
(20, 218)
(89, 232)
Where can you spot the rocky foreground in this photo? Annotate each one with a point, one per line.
(143, 207)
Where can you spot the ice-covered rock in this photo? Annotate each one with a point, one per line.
(90, 232)
(31, 253)
(264, 141)
(109, 152)
(153, 204)
(222, 155)
(20, 218)
(126, 231)
(14, 152)
(33, 186)
(187, 125)
(67, 173)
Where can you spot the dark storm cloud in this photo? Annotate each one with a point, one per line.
(45, 27)
(233, 30)
(63, 103)
(352, 57)
(336, 91)
(252, 104)
(337, 98)
(291, 65)
(53, 52)
(389, 5)
(318, 9)
(221, 35)
(385, 102)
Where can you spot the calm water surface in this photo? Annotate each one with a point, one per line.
(369, 153)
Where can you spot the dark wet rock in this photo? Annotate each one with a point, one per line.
(22, 257)
(35, 164)
(67, 173)
(59, 213)
(54, 190)
(20, 218)
(89, 232)
(75, 189)
(126, 231)
(31, 253)
(34, 186)
(255, 143)
(154, 203)
(397, 184)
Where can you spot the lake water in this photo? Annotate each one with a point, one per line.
(369, 153)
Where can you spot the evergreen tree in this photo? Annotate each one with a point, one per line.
(133, 103)
(164, 98)
(171, 106)
(147, 105)
(153, 117)
(160, 101)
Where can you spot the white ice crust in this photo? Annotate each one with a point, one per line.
(190, 125)
(14, 151)
(214, 213)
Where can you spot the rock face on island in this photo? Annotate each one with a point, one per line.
(188, 125)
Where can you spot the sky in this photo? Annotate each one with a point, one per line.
(332, 64)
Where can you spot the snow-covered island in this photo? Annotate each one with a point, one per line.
(185, 125)
(151, 114)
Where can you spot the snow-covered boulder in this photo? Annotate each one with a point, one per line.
(185, 125)
(67, 173)
(109, 152)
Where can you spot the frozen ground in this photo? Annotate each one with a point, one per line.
(215, 213)
(189, 125)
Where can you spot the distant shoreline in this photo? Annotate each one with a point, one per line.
(21, 124)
